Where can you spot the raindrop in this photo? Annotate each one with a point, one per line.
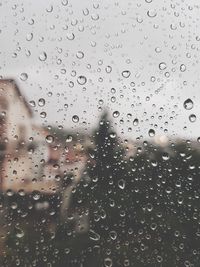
(113, 235)
(116, 114)
(41, 102)
(82, 80)
(80, 55)
(70, 36)
(121, 183)
(75, 119)
(126, 73)
(49, 139)
(135, 122)
(108, 69)
(112, 135)
(151, 133)
(23, 76)
(43, 56)
(162, 66)
(94, 236)
(188, 104)
(192, 118)
(64, 2)
(43, 114)
(29, 36)
(108, 262)
(19, 232)
(182, 68)
(152, 13)
(36, 195)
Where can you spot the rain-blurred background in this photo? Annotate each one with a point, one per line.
(99, 133)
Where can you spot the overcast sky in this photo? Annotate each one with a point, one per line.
(72, 53)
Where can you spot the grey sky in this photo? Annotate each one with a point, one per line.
(126, 35)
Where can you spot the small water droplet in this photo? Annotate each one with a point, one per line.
(23, 76)
(49, 139)
(182, 68)
(121, 183)
(126, 73)
(82, 80)
(135, 122)
(162, 66)
(80, 55)
(94, 236)
(151, 133)
(108, 262)
(70, 36)
(75, 119)
(116, 114)
(18, 232)
(188, 104)
(43, 56)
(29, 36)
(192, 118)
(152, 13)
(41, 102)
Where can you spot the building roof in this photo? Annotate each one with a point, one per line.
(16, 88)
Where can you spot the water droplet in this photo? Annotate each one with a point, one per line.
(69, 139)
(192, 118)
(188, 104)
(41, 102)
(36, 195)
(94, 236)
(151, 133)
(182, 68)
(64, 2)
(43, 56)
(43, 114)
(108, 262)
(152, 13)
(108, 69)
(49, 139)
(80, 55)
(75, 119)
(113, 235)
(121, 183)
(135, 122)
(116, 114)
(162, 66)
(70, 36)
(18, 232)
(112, 135)
(23, 76)
(126, 73)
(82, 80)
(29, 36)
